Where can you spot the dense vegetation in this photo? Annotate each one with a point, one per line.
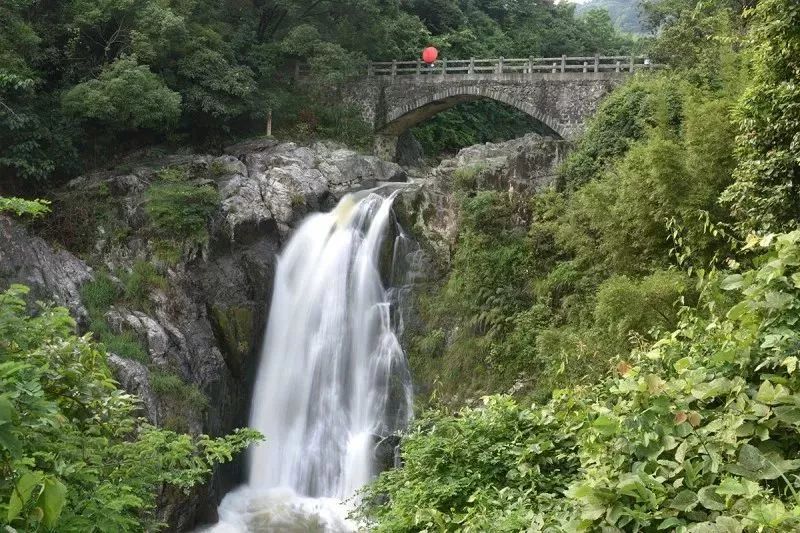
(625, 14)
(80, 78)
(647, 306)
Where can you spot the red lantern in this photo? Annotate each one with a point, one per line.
(430, 54)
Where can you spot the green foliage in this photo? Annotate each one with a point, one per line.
(21, 207)
(546, 291)
(174, 387)
(622, 119)
(74, 457)
(100, 293)
(180, 212)
(623, 13)
(203, 72)
(696, 431)
(764, 196)
(98, 296)
(126, 96)
(140, 282)
(479, 470)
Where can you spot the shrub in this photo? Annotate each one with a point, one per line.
(173, 388)
(466, 178)
(100, 294)
(139, 282)
(75, 456)
(181, 211)
(126, 344)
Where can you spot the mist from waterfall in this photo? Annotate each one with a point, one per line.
(333, 379)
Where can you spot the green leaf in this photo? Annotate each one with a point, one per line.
(6, 409)
(21, 493)
(710, 499)
(772, 394)
(734, 281)
(738, 487)
(670, 523)
(52, 500)
(606, 425)
(788, 414)
(9, 441)
(686, 500)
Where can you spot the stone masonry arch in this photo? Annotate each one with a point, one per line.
(561, 101)
(419, 109)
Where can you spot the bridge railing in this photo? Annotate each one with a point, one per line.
(501, 65)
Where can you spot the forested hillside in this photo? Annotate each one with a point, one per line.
(646, 308)
(625, 14)
(81, 79)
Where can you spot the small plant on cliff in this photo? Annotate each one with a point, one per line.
(20, 207)
(139, 282)
(179, 212)
(73, 455)
(98, 296)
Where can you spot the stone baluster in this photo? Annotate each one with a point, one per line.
(585, 66)
(618, 66)
(563, 63)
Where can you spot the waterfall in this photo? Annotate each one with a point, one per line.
(332, 379)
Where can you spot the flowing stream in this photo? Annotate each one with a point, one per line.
(332, 381)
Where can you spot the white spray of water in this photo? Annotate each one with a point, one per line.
(332, 380)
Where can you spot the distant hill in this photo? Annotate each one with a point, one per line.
(624, 13)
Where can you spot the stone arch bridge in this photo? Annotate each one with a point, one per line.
(560, 93)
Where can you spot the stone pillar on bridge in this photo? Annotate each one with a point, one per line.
(385, 146)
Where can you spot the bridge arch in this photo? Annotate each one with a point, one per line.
(408, 113)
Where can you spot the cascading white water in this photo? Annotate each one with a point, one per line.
(332, 379)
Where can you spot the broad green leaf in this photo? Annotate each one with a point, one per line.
(6, 410)
(686, 500)
(670, 523)
(710, 499)
(772, 394)
(21, 493)
(606, 425)
(734, 281)
(788, 414)
(738, 487)
(52, 500)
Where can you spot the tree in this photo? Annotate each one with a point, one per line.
(126, 96)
